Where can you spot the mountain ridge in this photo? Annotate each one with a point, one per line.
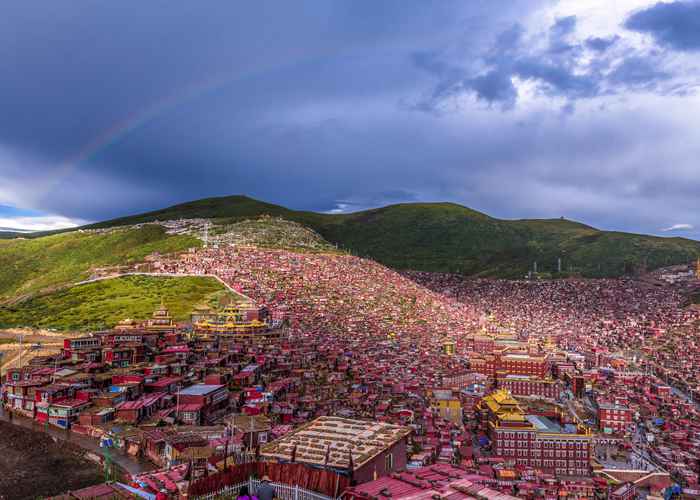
(448, 237)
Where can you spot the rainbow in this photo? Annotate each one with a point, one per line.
(120, 129)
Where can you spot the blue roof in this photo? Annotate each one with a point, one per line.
(544, 424)
(199, 389)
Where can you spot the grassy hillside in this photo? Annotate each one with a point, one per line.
(28, 266)
(450, 237)
(231, 207)
(102, 304)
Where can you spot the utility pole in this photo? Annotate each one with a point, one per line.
(251, 432)
(177, 404)
(106, 443)
(55, 369)
(228, 437)
(21, 338)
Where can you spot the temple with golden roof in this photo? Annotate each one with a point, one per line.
(535, 440)
(128, 324)
(243, 318)
(161, 322)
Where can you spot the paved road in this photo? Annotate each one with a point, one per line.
(128, 463)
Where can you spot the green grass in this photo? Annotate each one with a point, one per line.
(451, 238)
(28, 266)
(102, 304)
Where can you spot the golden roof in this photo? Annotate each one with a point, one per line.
(511, 416)
(504, 405)
(504, 397)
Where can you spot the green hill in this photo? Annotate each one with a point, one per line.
(231, 207)
(450, 237)
(102, 304)
(420, 236)
(28, 266)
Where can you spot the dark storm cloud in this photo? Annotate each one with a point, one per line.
(601, 44)
(565, 67)
(638, 71)
(675, 25)
(114, 108)
(495, 86)
(560, 33)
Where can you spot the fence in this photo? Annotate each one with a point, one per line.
(324, 483)
(282, 491)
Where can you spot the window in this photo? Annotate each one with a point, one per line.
(389, 461)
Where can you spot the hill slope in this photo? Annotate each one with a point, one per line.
(28, 266)
(450, 237)
(102, 304)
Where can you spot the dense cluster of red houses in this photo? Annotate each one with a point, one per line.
(492, 388)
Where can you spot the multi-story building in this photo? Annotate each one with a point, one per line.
(614, 418)
(483, 344)
(448, 405)
(204, 402)
(19, 390)
(532, 440)
(484, 364)
(123, 356)
(523, 364)
(529, 386)
(82, 349)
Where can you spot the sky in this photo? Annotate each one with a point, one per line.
(587, 109)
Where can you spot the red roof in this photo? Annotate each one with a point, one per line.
(176, 349)
(165, 381)
(425, 482)
(71, 403)
(140, 403)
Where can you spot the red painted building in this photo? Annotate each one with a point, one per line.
(82, 349)
(141, 409)
(163, 384)
(212, 398)
(483, 344)
(614, 418)
(523, 364)
(524, 385)
(379, 449)
(533, 440)
(484, 364)
(123, 356)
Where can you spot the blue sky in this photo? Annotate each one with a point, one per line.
(518, 108)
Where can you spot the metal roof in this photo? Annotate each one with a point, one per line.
(199, 389)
